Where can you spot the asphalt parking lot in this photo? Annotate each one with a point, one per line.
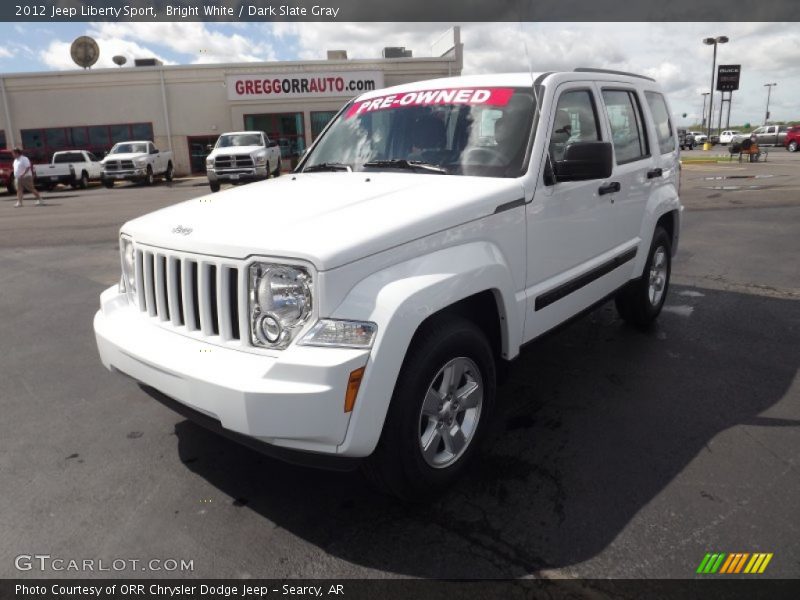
(616, 453)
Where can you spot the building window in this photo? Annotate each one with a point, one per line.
(319, 119)
(286, 128)
(41, 143)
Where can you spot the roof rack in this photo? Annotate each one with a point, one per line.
(610, 72)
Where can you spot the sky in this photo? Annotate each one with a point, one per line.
(672, 53)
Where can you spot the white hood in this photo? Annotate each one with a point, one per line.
(125, 156)
(329, 219)
(237, 150)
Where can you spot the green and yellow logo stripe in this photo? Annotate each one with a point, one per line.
(734, 563)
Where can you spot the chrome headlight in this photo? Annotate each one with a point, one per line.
(261, 159)
(209, 162)
(140, 162)
(280, 302)
(128, 260)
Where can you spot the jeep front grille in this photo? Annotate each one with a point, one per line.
(233, 161)
(203, 295)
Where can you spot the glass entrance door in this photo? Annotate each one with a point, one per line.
(287, 128)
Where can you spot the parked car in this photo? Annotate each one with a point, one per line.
(136, 161)
(7, 171)
(699, 137)
(69, 167)
(686, 140)
(242, 156)
(792, 140)
(727, 136)
(361, 315)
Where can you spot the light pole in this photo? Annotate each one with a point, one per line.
(720, 39)
(769, 87)
(703, 123)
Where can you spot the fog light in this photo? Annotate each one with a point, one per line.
(271, 329)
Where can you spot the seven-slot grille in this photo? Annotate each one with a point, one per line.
(201, 294)
(233, 161)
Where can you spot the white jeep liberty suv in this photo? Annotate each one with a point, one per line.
(357, 310)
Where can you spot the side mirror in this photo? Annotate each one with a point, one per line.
(273, 143)
(154, 151)
(585, 160)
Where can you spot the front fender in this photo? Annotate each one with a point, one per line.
(399, 299)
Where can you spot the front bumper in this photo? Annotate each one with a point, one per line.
(126, 175)
(237, 175)
(292, 399)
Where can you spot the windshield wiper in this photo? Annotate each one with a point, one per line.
(327, 166)
(402, 163)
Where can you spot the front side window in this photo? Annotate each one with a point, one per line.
(624, 116)
(575, 121)
(463, 131)
(658, 108)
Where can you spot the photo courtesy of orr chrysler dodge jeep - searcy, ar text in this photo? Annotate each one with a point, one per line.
(357, 311)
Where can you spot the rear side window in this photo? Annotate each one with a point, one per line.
(658, 108)
(575, 121)
(625, 118)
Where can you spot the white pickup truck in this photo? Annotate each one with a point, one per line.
(362, 315)
(241, 157)
(136, 161)
(75, 168)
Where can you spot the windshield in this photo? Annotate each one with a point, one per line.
(129, 149)
(466, 131)
(238, 139)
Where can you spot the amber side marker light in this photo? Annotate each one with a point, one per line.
(352, 389)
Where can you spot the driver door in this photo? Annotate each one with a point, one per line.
(570, 224)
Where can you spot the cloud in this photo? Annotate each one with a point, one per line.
(193, 40)
(6, 52)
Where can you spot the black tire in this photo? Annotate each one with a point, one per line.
(792, 146)
(109, 183)
(83, 182)
(398, 466)
(214, 185)
(277, 171)
(635, 302)
(149, 178)
(170, 173)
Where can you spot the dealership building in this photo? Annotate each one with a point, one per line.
(184, 108)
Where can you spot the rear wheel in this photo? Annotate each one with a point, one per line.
(170, 174)
(792, 146)
(640, 301)
(439, 411)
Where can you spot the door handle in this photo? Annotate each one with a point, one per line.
(657, 172)
(609, 188)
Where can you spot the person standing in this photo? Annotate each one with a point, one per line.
(23, 172)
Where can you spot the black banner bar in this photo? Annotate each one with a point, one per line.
(450, 11)
(709, 588)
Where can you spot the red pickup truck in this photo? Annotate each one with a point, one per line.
(792, 141)
(7, 171)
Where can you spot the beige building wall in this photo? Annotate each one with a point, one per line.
(197, 102)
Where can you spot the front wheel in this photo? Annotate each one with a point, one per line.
(439, 411)
(277, 171)
(640, 301)
(214, 185)
(83, 182)
(149, 179)
(792, 146)
(109, 183)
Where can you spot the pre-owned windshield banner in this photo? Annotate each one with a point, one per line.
(408, 10)
(488, 96)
